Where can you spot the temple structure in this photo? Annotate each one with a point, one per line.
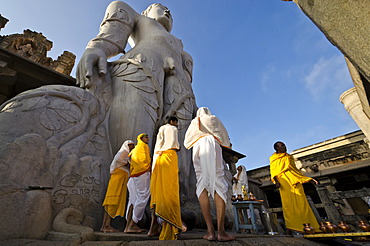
(24, 64)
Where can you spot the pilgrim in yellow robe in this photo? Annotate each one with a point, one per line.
(164, 183)
(164, 189)
(296, 209)
(115, 199)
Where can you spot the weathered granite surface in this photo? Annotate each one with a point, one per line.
(346, 25)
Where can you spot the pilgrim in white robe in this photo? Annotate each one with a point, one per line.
(241, 180)
(139, 193)
(206, 134)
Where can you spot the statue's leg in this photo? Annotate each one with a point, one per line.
(130, 114)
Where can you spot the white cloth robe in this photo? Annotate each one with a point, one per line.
(139, 193)
(242, 181)
(121, 159)
(205, 135)
(167, 138)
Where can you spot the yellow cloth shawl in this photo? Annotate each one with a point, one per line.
(140, 158)
(282, 162)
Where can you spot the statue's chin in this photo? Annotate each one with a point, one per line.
(164, 21)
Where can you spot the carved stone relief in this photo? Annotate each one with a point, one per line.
(35, 46)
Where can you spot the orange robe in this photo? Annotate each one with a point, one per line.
(296, 209)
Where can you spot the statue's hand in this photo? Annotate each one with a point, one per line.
(90, 58)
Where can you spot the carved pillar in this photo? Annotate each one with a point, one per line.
(322, 189)
(352, 104)
(314, 209)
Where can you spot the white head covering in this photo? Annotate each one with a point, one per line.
(203, 111)
(167, 138)
(121, 158)
(206, 124)
(243, 178)
(242, 181)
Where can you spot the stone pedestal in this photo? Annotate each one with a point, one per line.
(352, 104)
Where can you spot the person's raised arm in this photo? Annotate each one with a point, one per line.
(114, 31)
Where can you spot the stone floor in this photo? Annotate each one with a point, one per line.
(190, 238)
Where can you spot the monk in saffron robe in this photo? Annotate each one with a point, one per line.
(115, 198)
(138, 185)
(206, 134)
(289, 179)
(164, 183)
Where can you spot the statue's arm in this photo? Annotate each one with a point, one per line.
(187, 64)
(115, 29)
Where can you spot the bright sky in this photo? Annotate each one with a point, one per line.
(261, 66)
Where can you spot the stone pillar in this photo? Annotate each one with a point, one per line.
(322, 189)
(352, 104)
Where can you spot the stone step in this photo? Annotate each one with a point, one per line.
(190, 238)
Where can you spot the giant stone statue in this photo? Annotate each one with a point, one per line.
(56, 142)
(149, 83)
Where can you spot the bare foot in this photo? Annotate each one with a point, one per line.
(223, 237)
(135, 231)
(210, 236)
(108, 229)
(133, 228)
(184, 228)
(154, 231)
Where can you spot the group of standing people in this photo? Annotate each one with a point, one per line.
(157, 178)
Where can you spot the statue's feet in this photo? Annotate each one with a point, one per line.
(210, 236)
(224, 237)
